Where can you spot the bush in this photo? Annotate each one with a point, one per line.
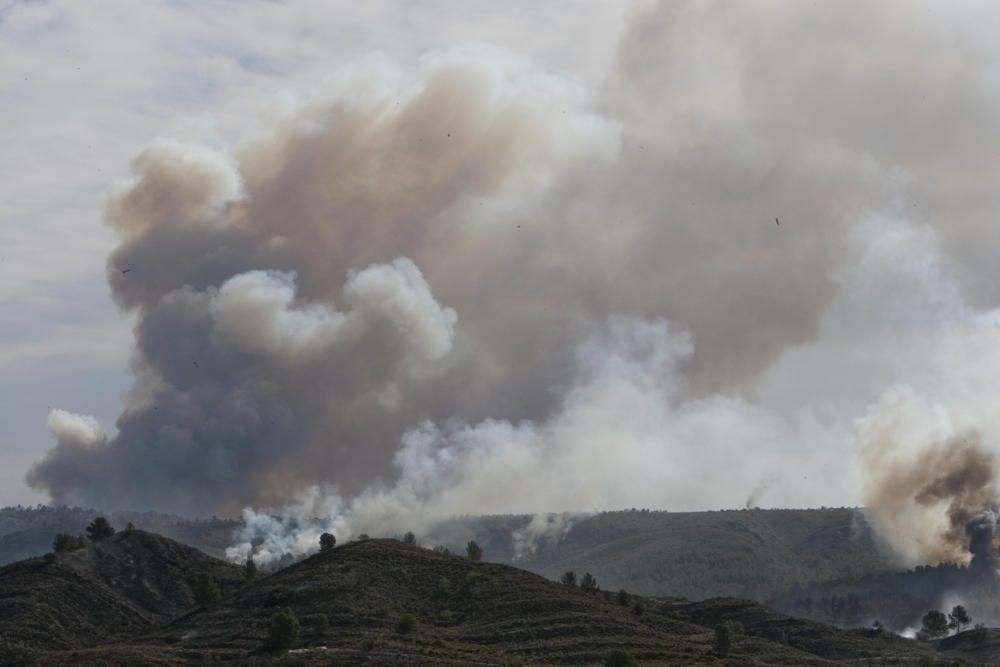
(65, 542)
(471, 578)
(569, 579)
(250, 569)
(410, 539)
(723, 638)
(619, 658)
(321, 623)
(206, 592)
(284, 630)
(474, 551)
(327, 541)
(443, 588)
(623, 597)
(406, 624)
(99, 529)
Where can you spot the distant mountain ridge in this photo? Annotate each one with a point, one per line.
(758, 554)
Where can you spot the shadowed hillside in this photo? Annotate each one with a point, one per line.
(111, 590)
(381, 602)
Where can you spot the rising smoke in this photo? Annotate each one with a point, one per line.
(470, 286)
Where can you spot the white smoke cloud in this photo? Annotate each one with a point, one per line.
(256, 312)
(80, 430)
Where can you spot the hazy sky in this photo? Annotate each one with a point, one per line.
(582, 300)
(84, 86)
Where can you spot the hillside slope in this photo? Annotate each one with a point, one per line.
(114, 589)
(757, 554)
(132, 603)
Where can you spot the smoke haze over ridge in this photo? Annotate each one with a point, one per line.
(467, 285)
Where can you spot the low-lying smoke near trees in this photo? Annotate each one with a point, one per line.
(467, 286)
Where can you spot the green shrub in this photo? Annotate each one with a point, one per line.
(406, 624)
(443, 588)
(284, 630)
(327, 541)
(619, 658)
(206, 592)
(623, 597)
(723, 638)
(474, 551)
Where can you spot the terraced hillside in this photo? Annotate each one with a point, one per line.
(111, 590)
(382, 602)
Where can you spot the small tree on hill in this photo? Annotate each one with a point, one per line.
(99, 529)
(206, 592)
(474, 551)
(327, 541)
(623, 597)
(588, 584)
(723, 638)
(619, 658)
(958, 618)
(569, 579)
(250, 569)
(284, 630)
(409, 538)
(934, 624)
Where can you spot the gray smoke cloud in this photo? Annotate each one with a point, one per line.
(472, 286)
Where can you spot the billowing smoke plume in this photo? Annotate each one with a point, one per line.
(471, 286)
(941, 504)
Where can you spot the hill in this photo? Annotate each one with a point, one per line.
(108, 591)
(897, 599)
(382, 602)
(29, 531)
(758, 554)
